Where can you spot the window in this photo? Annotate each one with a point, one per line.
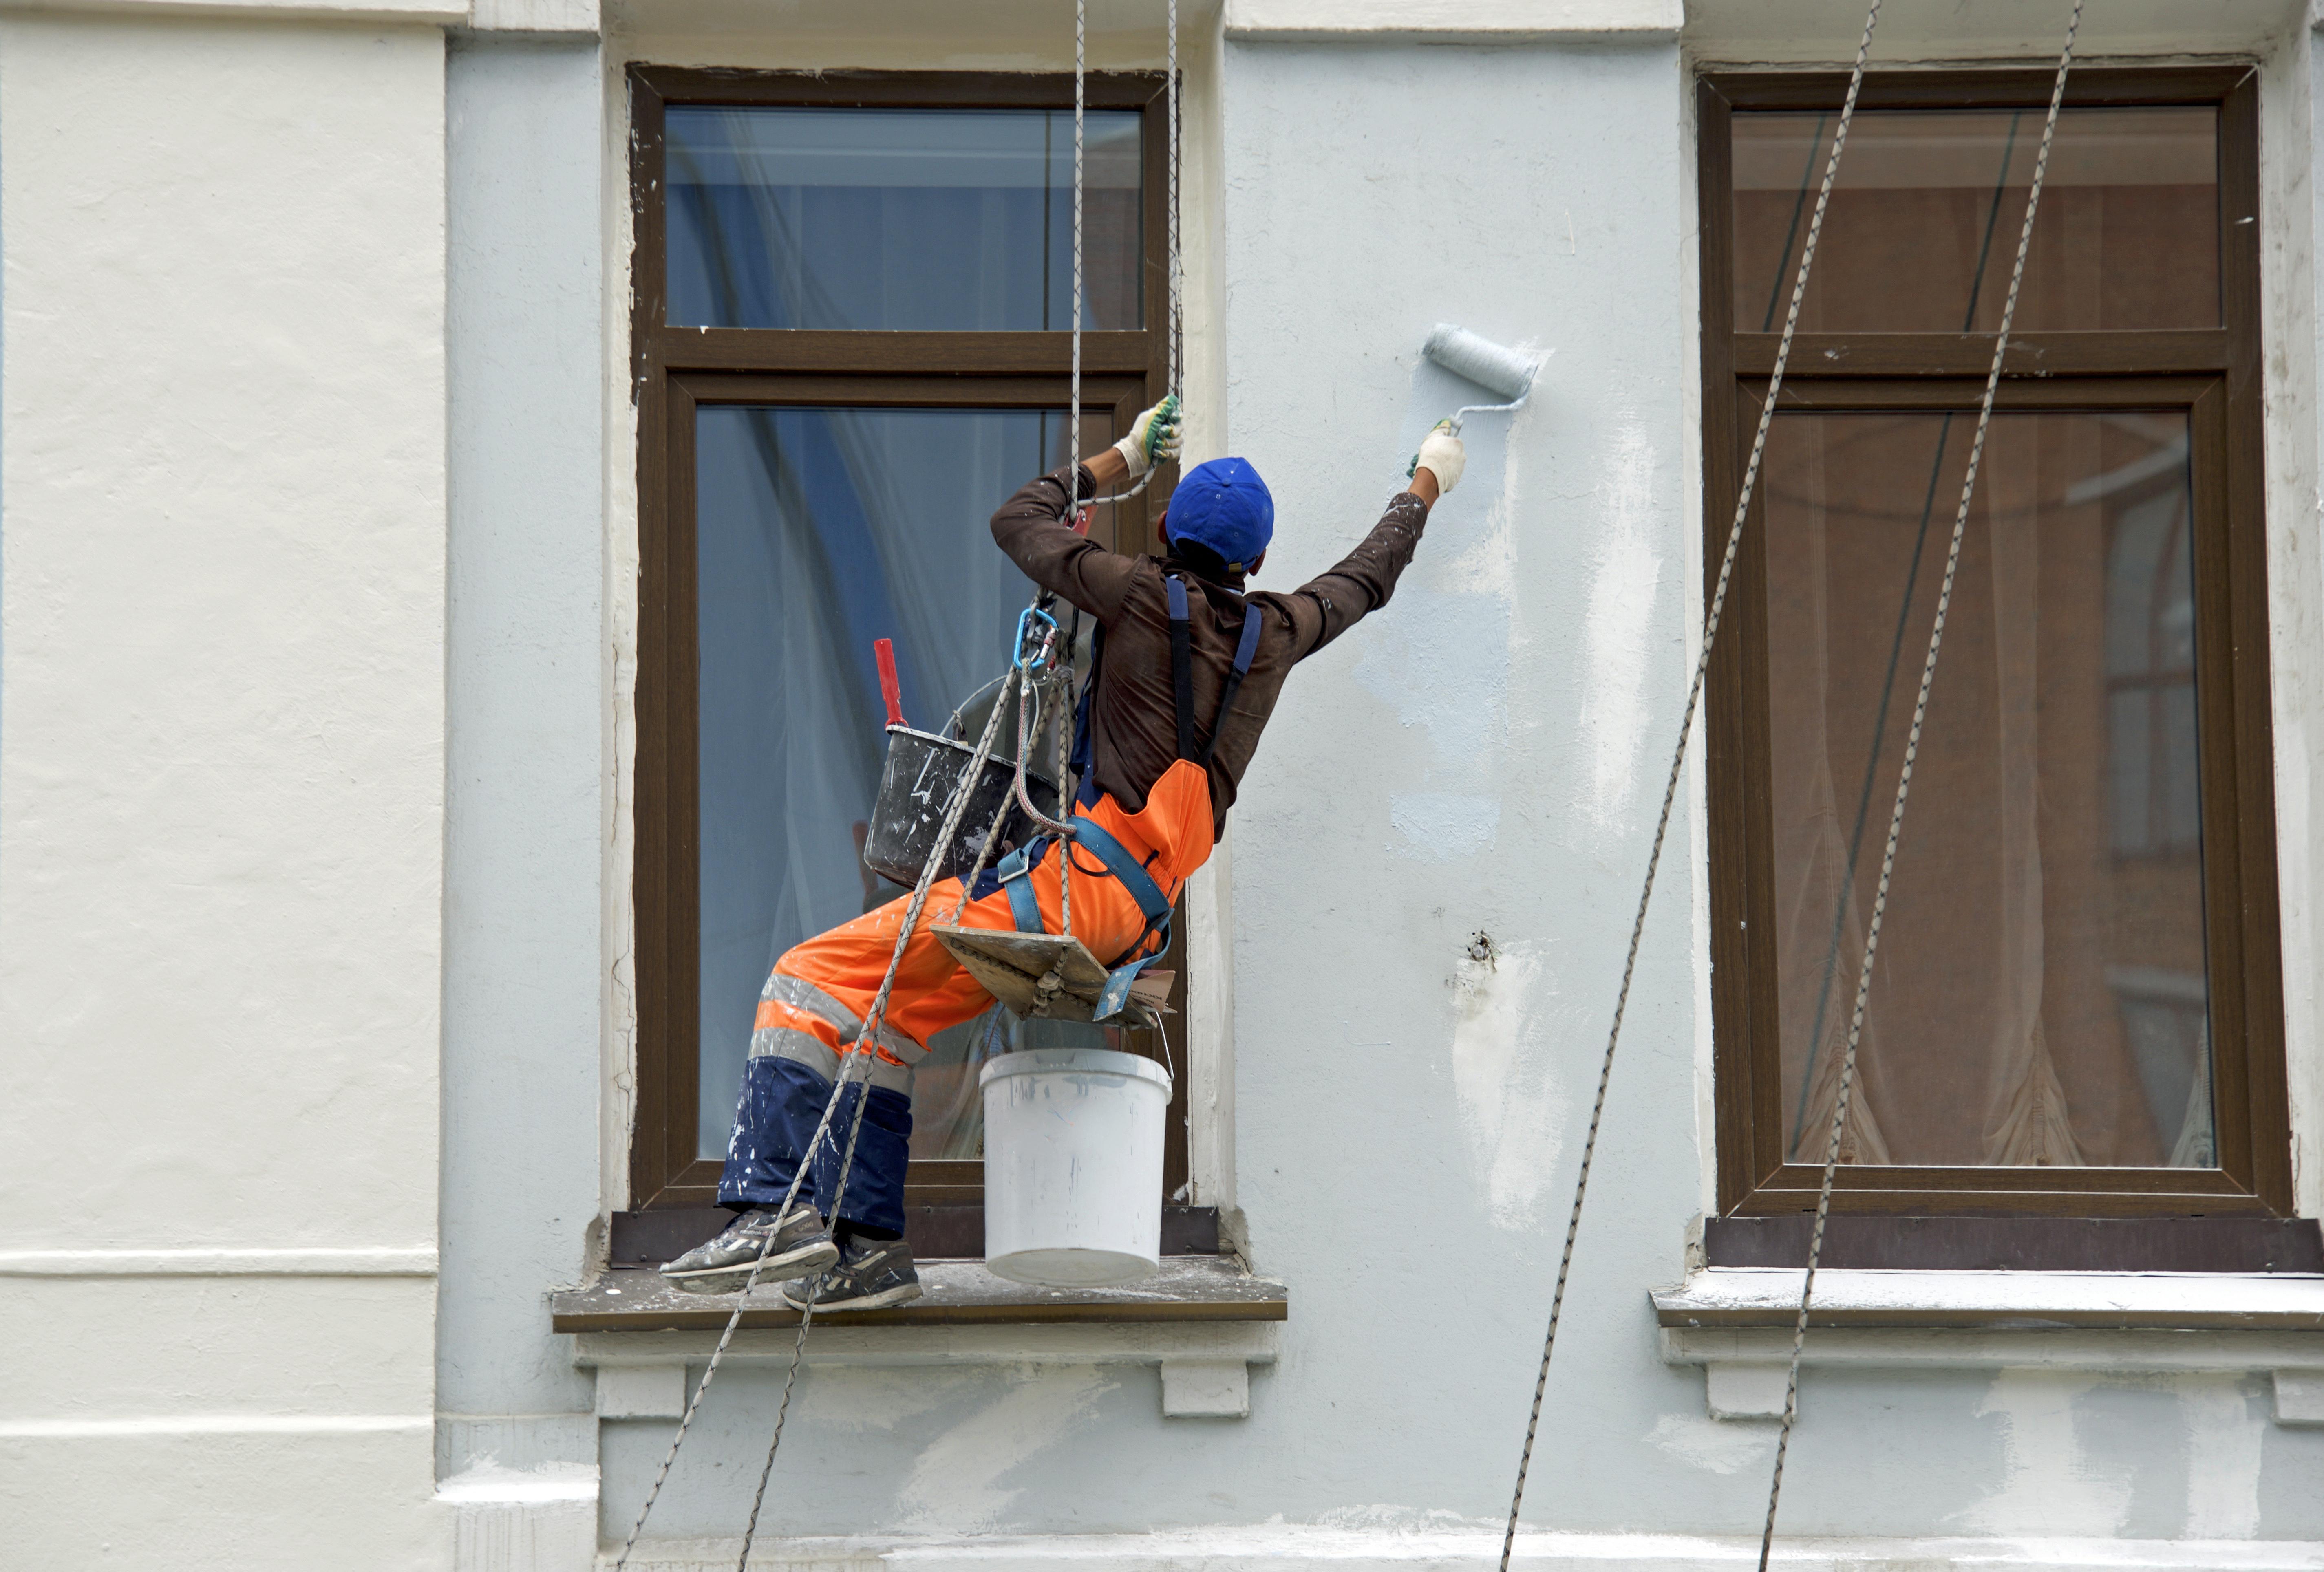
(2076, 1008)
(852, 293)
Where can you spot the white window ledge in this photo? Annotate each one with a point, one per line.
(1203, 1320)
(1737, 1324)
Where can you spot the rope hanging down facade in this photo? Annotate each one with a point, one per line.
(1678, 763)
(1904, 781)
(1895, 827)
(1022, 684)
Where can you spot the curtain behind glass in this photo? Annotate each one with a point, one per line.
(929, 220)
(2039, 999)
(817, 532)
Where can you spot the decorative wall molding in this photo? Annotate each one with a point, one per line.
(431, 12)
(1205, 1365)
(213, 1425)
(416, 1261)
(1452, 20)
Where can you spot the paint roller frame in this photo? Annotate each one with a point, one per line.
(1494, 367)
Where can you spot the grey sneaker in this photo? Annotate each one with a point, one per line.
(802, 1248)
(872, 1275)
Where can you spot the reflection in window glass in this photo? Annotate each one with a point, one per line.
(2039, 998)
(817, 532)
(927, 220)
(1926, 210)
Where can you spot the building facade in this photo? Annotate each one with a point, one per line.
(454, 457)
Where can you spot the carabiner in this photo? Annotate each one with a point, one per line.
(1037, 632)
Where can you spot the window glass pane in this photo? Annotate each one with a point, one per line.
(817, 532)
(921, 219)
(1926, 213)
(2039, 997)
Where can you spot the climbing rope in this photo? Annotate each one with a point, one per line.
(1905, 784)
(1081, 98)
(1173, 277)
(1678, 763)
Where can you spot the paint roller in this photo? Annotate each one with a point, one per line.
(1493, 367)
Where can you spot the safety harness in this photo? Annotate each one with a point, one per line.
(1011, 872)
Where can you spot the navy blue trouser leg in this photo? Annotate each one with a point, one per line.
(782, 1102)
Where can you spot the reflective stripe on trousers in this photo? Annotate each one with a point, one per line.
(800, 1022)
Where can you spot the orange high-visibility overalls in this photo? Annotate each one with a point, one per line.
(814, 1005)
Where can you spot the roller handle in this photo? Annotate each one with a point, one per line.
(883, 650)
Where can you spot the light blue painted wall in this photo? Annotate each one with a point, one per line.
(1482, 755)
(527, 758)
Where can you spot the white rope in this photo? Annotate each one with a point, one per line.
(1173, 277)
(1905, 787)
(1081, 95)
(1678, 762)
(1173, 323)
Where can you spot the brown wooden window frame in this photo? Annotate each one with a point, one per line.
(2214, 376)
(674, 371)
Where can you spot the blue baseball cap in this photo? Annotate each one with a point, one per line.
(1225, 506)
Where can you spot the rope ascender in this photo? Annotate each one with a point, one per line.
(1904, 782)
(1035, 666)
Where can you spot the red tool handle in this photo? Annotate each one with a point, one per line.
(883, 650)
(1082, 521)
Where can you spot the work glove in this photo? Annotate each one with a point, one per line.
(1154, 437)
(1441, 455)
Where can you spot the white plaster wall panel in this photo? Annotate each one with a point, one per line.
(523, 988)
(1483, 21)
(172, 1349)
(437, 12)
(1014, 35)
(221, 787)
(568, 16)
(221, 777)
(222, 1499)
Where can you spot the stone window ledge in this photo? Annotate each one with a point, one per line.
(1202, 1320)
(1737, 1324)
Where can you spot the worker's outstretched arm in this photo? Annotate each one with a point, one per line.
(1031, 527)
(1331, 603)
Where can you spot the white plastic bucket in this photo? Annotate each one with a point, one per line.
(1072, 1166)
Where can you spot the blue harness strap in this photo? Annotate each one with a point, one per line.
(1011, 873)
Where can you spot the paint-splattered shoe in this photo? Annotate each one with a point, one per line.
(802, 1247)
(872, 1275)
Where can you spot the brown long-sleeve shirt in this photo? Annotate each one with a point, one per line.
(1134, 715)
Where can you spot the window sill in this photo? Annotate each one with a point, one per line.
(1202, 1318)
(1737, 1324)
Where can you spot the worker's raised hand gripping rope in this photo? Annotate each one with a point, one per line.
(1904, 785)
(952, 813)
(1678, 763)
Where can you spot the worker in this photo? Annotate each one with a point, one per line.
(1157, 784)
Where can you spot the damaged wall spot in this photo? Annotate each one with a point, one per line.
(1513, 1111)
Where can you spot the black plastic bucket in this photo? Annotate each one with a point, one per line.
(915, 788)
